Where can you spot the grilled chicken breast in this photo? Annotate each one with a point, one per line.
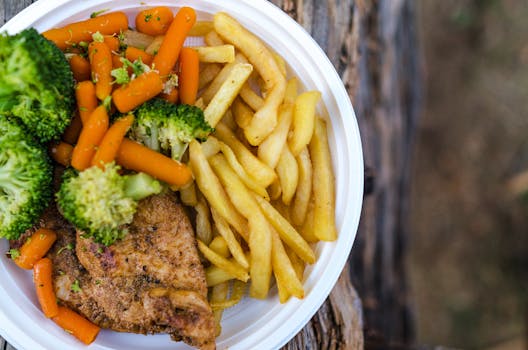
(152, 281)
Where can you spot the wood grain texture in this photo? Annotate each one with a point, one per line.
(373, 46)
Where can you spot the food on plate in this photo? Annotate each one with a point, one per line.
(160, 130)
(37, 84)
(25, 178)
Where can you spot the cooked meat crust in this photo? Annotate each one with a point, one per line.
(152, 281)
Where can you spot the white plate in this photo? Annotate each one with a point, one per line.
(252, 324)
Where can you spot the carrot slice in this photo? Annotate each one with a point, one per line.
(86, 99)
(76, 325)
(189, 75)
(139, 90)
(134, 156)
(80, 68)
(35, 248)
(133, 53)
(169, 50)
(107, 150)
(62, 153)
(154, 21)
(42, 277)
(112, 42)
(107, 24)
(91, 135)
(71, 134)
(100, 57)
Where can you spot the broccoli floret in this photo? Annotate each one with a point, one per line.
(36, 83)
(25, 179)
(161, 125)
(100, 202)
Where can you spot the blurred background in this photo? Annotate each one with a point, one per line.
(468, 248)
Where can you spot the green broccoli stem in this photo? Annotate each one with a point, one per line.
(141, 185)
(178, 149)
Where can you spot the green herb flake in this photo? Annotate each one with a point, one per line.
(68, 246)
(148, 18)
(14, 253)
(97, 13)
(75, 287)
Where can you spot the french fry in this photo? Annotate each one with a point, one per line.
(231, 267)
(282, 268)
(219, 294)
(242, 113)
(297, 263)
(237, 292)
(254, 166)
(251, 98)
(213, 39)
(280, 62)
(199, 103)
(188, 195)
(307, 229)
(288, 173)
(207, 74)
(284, 295)
(291, 91)
(303, 120)
(247, 179)
(221, 77)
(270, 150)
(219, 246)
(260, 231)
(275, 190)
(286, 231)
(201, 28)
(211, 188)
(215, 275)
(204, 231)
(262, 59)
(216, 54)
(232, 243)
(226, 94)
(229, 120)
(210, 147)
(323, 184)
(299, 206)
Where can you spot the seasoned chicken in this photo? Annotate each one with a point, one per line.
(152, 281)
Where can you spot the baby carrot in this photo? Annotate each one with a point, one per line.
(80, 68)
(86, 99)
(134, 156)
(74, 33)
(169, 50)
(109, 146)
(76, 325)
(71, 134)
(172, 96)
(189, 75)
(42, 277)
(154, 21)
(100, 57)
(133, 53)
(61, 153)
(139, 90)
(91, 135)
(35, 248)
(112, 42)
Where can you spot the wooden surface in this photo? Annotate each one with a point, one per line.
(372, 45)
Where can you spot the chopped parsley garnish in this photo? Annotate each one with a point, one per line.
(14, 253)
(75, 287)
(68, 246)
(97, 13)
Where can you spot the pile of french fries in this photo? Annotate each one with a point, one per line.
(264, 185)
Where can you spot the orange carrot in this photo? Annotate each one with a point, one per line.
(71, 134)
(80, 68)
(107, 150)
(172, 96)
(169, 50)
(112, 42)
(61, 153)
(133, 53)
(74, 33)
(91, 135)
(116, 61)
(42, 277)
(76, 325)
(134, 156)
(100, 58)
(86, 99)
(189, 74)
(35, 248)
(139, 90)
(154, 21)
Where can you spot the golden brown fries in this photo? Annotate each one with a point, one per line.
(251, 98)
(213, 39)
(323, 185)
(231, 241)
(219, 246)
(219, 294)
(227, 265)
(283, 269)
(207, 74)
(201, 28)
(215, 275)
(300, 203)
(204, 231)
(270, 150)
(216, 54)
(288, 174)
(303, 120)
